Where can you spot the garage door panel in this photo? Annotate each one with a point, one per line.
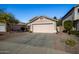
(2, 28)
(49, 28)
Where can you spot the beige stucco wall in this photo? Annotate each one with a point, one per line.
(44, 20)
(76, 14)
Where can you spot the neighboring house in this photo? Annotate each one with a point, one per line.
(17, 27)
(42, 24)
(3, 27)
(73, 15)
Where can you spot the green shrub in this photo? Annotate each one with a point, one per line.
(70, 42)
(59, 23)
(30, 31)
(68, 25)
(75, 33)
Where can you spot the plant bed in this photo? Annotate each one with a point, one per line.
(70, 42)
(75, 33)
(71, 46)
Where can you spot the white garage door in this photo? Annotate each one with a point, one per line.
(2, 27)
(44, 28)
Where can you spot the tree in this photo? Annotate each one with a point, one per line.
(8, 18)
(12, 19)
(54, 17)
(68, 25)
(59, 23)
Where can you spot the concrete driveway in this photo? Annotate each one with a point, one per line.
(32, 43)
(39, 40)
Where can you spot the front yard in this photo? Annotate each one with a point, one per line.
(38, 43)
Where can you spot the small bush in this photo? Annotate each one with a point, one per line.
(68, 25)
(75, 33)
(70, 42)
(30, 31)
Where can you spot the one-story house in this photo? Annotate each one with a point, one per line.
(42, 24)
(73, 15)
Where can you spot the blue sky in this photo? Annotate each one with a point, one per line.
(25, 12)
